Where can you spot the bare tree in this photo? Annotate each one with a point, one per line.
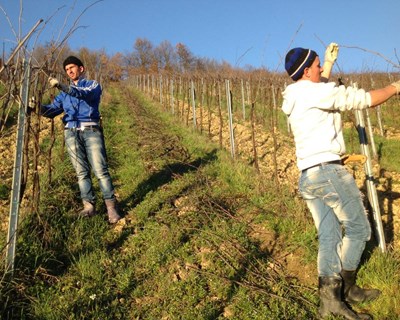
(185, 57)
(166, 56)
(143, 55)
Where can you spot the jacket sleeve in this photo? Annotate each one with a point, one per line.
(351, 98)
(88, 92)
(54, 109)
(330, 97)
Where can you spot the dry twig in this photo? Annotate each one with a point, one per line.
(374, 53)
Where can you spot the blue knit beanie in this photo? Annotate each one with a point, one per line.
(297, 59)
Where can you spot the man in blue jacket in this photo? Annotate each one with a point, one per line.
(83, 134)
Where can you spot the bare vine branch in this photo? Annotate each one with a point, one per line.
(9, 22)
(290, 44)
(73, 28)
(20, 45)
(374, 53)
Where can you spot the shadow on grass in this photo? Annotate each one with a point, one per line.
(386, 213)
(167, 174)
(164, 176)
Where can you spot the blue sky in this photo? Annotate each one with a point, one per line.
(242, 32)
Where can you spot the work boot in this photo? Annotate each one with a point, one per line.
(330, 293)
(352, 292)
(89, 210)
(112, 211)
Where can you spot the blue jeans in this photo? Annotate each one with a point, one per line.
(339, 215)
(87, 150)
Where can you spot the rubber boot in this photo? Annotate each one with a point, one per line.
(330, 293)
(89, 210)
(352, 292)
(112, 211)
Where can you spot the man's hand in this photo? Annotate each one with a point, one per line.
(331, 52)
(32, 102)
(53, 82)
(396, 85)
(31, 106)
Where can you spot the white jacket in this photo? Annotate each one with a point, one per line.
(314, 114)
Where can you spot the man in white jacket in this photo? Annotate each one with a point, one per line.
(313, 107)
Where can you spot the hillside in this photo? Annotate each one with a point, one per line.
(203, 236)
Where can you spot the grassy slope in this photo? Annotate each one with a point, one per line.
(204, 237)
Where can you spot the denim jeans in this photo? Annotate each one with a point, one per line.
(339, 215)
(87, 151)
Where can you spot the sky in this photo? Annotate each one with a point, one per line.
(244, 33)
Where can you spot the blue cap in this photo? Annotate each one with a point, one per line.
(297, 59)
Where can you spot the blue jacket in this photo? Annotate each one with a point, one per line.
(80, 103)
